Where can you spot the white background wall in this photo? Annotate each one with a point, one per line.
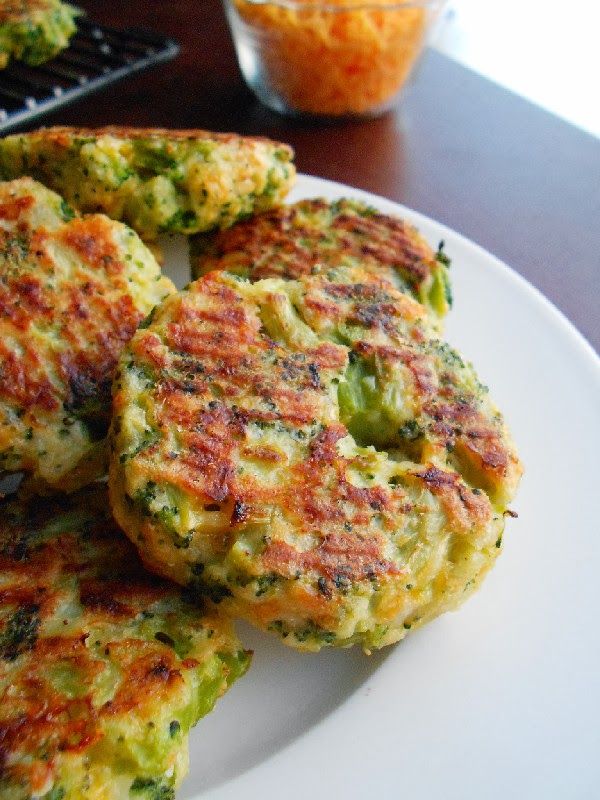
(548, 52)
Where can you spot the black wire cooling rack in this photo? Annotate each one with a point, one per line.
(96, 57)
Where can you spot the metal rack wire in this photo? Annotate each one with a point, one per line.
(96, 57)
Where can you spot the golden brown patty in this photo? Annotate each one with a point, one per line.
(156, 180)
(312, 236)
(103, 667)
(310, 455)
(34, 31)
(72, 292)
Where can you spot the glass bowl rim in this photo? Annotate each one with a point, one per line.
(367, 5)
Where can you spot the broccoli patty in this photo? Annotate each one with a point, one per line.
(34, 31)
(103, 667)
(72, 292)
(313, 236)
(308, 455)
(155, 180)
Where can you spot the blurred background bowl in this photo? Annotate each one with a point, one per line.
(343, 58)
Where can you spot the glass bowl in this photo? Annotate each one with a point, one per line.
(343, 58)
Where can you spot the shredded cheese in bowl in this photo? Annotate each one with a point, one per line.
(345, 57)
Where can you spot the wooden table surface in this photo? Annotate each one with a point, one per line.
(515, 179)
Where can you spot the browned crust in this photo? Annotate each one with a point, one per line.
(63, 136)
(340, 558)
(284, 242)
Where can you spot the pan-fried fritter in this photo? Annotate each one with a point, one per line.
(34, 31)
(309, 455)
(72, 292)
(103, 667)
(155, 180)
(313, 236)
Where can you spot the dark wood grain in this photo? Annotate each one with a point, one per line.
(508, 175)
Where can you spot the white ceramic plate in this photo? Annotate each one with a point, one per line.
(499, 700)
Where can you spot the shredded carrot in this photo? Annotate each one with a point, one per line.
(337, 61)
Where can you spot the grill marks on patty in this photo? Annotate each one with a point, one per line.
(290, 241)
(314, 236)
(250, 488)
(240, 378)
(72, 292)
(95, 320)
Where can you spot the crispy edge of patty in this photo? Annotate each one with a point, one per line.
(63, 135)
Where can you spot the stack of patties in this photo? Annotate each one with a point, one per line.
(290, 439)
(103, 667)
